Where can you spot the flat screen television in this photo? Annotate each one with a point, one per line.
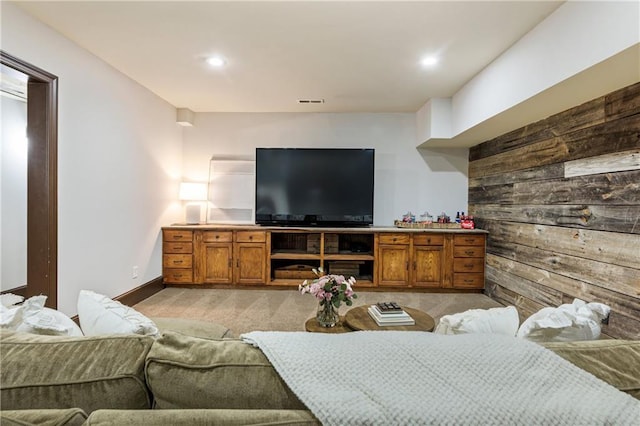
(314, 187)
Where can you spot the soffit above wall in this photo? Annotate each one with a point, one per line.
(615, 73)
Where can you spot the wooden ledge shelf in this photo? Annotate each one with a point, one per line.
(352, 256)
(294, 256)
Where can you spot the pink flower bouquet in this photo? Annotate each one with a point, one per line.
(333, 289)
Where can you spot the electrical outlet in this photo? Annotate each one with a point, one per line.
(134, 273)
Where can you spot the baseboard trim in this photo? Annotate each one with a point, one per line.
(138, 294)
(20, 291)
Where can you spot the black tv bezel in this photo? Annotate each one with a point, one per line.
(344, 221)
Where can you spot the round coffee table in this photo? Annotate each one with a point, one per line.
(312, 325)
(359, 319)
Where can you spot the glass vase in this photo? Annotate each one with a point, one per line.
(327, 314)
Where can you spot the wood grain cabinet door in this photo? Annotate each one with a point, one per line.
(217, 265)
(250, 263)
(427, 266)
(393, 269)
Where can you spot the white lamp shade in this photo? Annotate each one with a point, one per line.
(192, 191)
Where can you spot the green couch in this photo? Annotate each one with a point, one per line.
(194, 374)
(179, 379)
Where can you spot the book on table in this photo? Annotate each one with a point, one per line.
(390, 319)
(388, 307)
(389, 314)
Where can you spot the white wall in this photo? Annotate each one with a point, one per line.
(119, 162)
(433, 119)
(405, 178)
(13, 193)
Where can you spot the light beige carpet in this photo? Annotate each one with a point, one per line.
(246, 310)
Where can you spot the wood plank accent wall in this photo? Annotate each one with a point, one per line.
(561, 201)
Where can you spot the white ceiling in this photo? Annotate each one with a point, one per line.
(358, 56)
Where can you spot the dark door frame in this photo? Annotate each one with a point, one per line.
(42, 180)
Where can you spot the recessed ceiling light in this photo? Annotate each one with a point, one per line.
(429, 61)
(216, 61)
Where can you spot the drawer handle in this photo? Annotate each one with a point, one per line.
(470, 240)
(468, 281)
(177, 262)
(177, 237)
(177, 275)
(395, 239)
(251, 237)
(469, 252)
(468, 265)
(428, 240)
(217, 236)
(178, 247)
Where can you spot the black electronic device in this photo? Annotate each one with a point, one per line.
(314, 186)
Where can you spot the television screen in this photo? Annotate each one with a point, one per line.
(314, 187)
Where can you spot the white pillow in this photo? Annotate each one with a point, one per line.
(10, 315)
(10, 299)
(566, 323)
(50, 321)
(100, 315)
(33, 317)
(494, 321)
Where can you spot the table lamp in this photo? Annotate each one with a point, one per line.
(194, 194)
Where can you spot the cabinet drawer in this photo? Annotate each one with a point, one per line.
(468, 240)
(178, 276)
(468, 280)
(470, 264)
(428, 240)
(394, 238)
(177, 248)
(217, 236)
(468, 251)
(175, 235)
(177, 260)
(251, 237)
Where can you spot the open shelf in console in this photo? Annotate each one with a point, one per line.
(294, 253)
(285, 243)
(361, 270)
(349, 243)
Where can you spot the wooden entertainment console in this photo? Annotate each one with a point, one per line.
(388, 258)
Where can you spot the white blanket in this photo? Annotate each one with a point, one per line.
(415, 378)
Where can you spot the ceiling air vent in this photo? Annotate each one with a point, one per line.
(310, 101)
